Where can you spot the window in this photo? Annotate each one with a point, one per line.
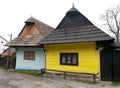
(29, 55)
(69, 58)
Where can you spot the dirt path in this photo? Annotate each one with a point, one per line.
(15, 80)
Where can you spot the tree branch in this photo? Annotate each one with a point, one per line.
(112, 18)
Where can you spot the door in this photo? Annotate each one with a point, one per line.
(106, 65)
(116, 65)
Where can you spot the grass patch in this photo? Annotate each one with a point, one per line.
(28, 72)
(33, 73)
(115, 83)
(3, 68)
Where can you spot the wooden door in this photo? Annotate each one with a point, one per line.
(106, 65)
(116, 65)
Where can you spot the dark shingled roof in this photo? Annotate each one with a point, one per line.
(75, 27)
(32, 40)
(73, 18)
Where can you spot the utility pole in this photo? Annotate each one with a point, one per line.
(8, 58)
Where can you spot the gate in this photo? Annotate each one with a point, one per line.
(110, 65)
(106, 65)
(116, 65)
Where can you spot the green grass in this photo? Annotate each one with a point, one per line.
(115, 83)
(29, 72)
(34, 73)
(3, 68)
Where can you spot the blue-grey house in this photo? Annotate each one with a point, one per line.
(29, 54)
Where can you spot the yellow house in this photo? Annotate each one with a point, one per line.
(75, 44)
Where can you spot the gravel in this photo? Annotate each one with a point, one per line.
(16, 80)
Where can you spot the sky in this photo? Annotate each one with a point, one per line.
(13, 13)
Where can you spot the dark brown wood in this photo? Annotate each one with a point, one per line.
(106, 60)
(116, 65)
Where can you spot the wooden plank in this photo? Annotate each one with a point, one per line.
(65, 72)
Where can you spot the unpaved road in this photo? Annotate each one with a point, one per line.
(16, 80)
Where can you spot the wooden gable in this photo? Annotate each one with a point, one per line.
(32, 33)
(29, 30)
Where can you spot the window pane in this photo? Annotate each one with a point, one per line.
(69, 59)
(29, 55)
(74, 58)
(63, 59)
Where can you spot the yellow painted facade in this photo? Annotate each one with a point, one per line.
(88, 57)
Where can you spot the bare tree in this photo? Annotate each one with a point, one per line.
(112, 21)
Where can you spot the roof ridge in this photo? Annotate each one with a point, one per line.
(33, 18)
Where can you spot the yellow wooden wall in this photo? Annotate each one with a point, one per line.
(88, 60)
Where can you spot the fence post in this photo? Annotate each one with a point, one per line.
(94, 77)
(64, 75)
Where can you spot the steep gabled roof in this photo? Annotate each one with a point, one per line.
(34, 38)
(75, 27)
(42, 27)
(73, 18)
